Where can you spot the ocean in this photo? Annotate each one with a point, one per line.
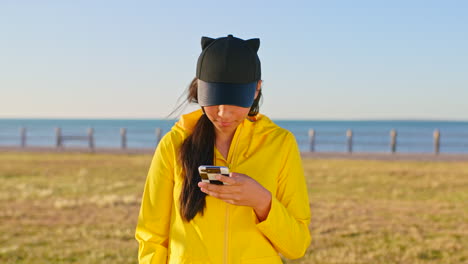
(330, 136)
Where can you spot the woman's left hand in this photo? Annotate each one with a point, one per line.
(240, 190)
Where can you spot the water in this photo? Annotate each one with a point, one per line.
(330, 136)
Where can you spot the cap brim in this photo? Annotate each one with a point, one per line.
(226, 93)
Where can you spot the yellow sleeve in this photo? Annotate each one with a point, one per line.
(287, 224)
(152, 231)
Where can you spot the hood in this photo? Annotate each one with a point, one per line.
(252, 129)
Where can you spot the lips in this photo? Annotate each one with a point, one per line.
(225, 124)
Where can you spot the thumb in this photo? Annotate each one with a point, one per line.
(234, 174)
(237, 175)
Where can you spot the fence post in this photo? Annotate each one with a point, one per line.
(349, 135)
(123, 136)
(436, 141)
(58, 137)
(158, 135)
(91, 138)
(311, 140)
(23, 137)
(393, 142)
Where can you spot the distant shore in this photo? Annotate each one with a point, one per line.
(307, 155)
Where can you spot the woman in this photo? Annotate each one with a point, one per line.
(263, 208)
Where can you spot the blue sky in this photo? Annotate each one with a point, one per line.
(340, 60)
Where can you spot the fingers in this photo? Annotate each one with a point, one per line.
(227, 197)
(226, 180)
(214, 188)
(236, 175)
(234, 191)
(227, 193)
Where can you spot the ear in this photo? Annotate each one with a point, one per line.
(205, 41)
(253, 43)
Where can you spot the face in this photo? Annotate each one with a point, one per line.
(226, 118)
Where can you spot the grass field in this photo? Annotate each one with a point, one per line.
(82, 208)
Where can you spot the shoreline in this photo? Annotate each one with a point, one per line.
(307, 155)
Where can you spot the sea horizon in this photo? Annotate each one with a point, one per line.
(328, 135)
(273, 119)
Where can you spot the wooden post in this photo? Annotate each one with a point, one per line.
(393, 142)
(436, 141)
(349, 135)
(312, 140)
(91, 138)
(58, 137)
(23, 137)
(158, 135)
(123, 136)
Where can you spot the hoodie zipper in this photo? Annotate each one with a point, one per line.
(228, 206)
(226, 236)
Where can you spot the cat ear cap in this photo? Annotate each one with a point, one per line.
(228, 70)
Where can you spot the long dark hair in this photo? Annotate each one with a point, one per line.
(196, 150)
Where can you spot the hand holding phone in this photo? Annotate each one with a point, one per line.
(209, 172)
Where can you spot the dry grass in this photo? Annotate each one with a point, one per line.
(82, 208)
(388, 212)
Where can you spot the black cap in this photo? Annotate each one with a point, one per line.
(228, 70)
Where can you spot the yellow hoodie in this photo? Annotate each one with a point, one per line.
(227, 233)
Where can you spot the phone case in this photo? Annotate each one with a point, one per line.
(208, 173)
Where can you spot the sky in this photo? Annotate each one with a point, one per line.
(321, 60)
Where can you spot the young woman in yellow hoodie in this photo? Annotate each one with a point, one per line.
(262, 210)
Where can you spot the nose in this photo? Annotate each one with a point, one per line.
(224, 111)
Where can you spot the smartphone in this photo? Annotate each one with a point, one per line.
(208, 173)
